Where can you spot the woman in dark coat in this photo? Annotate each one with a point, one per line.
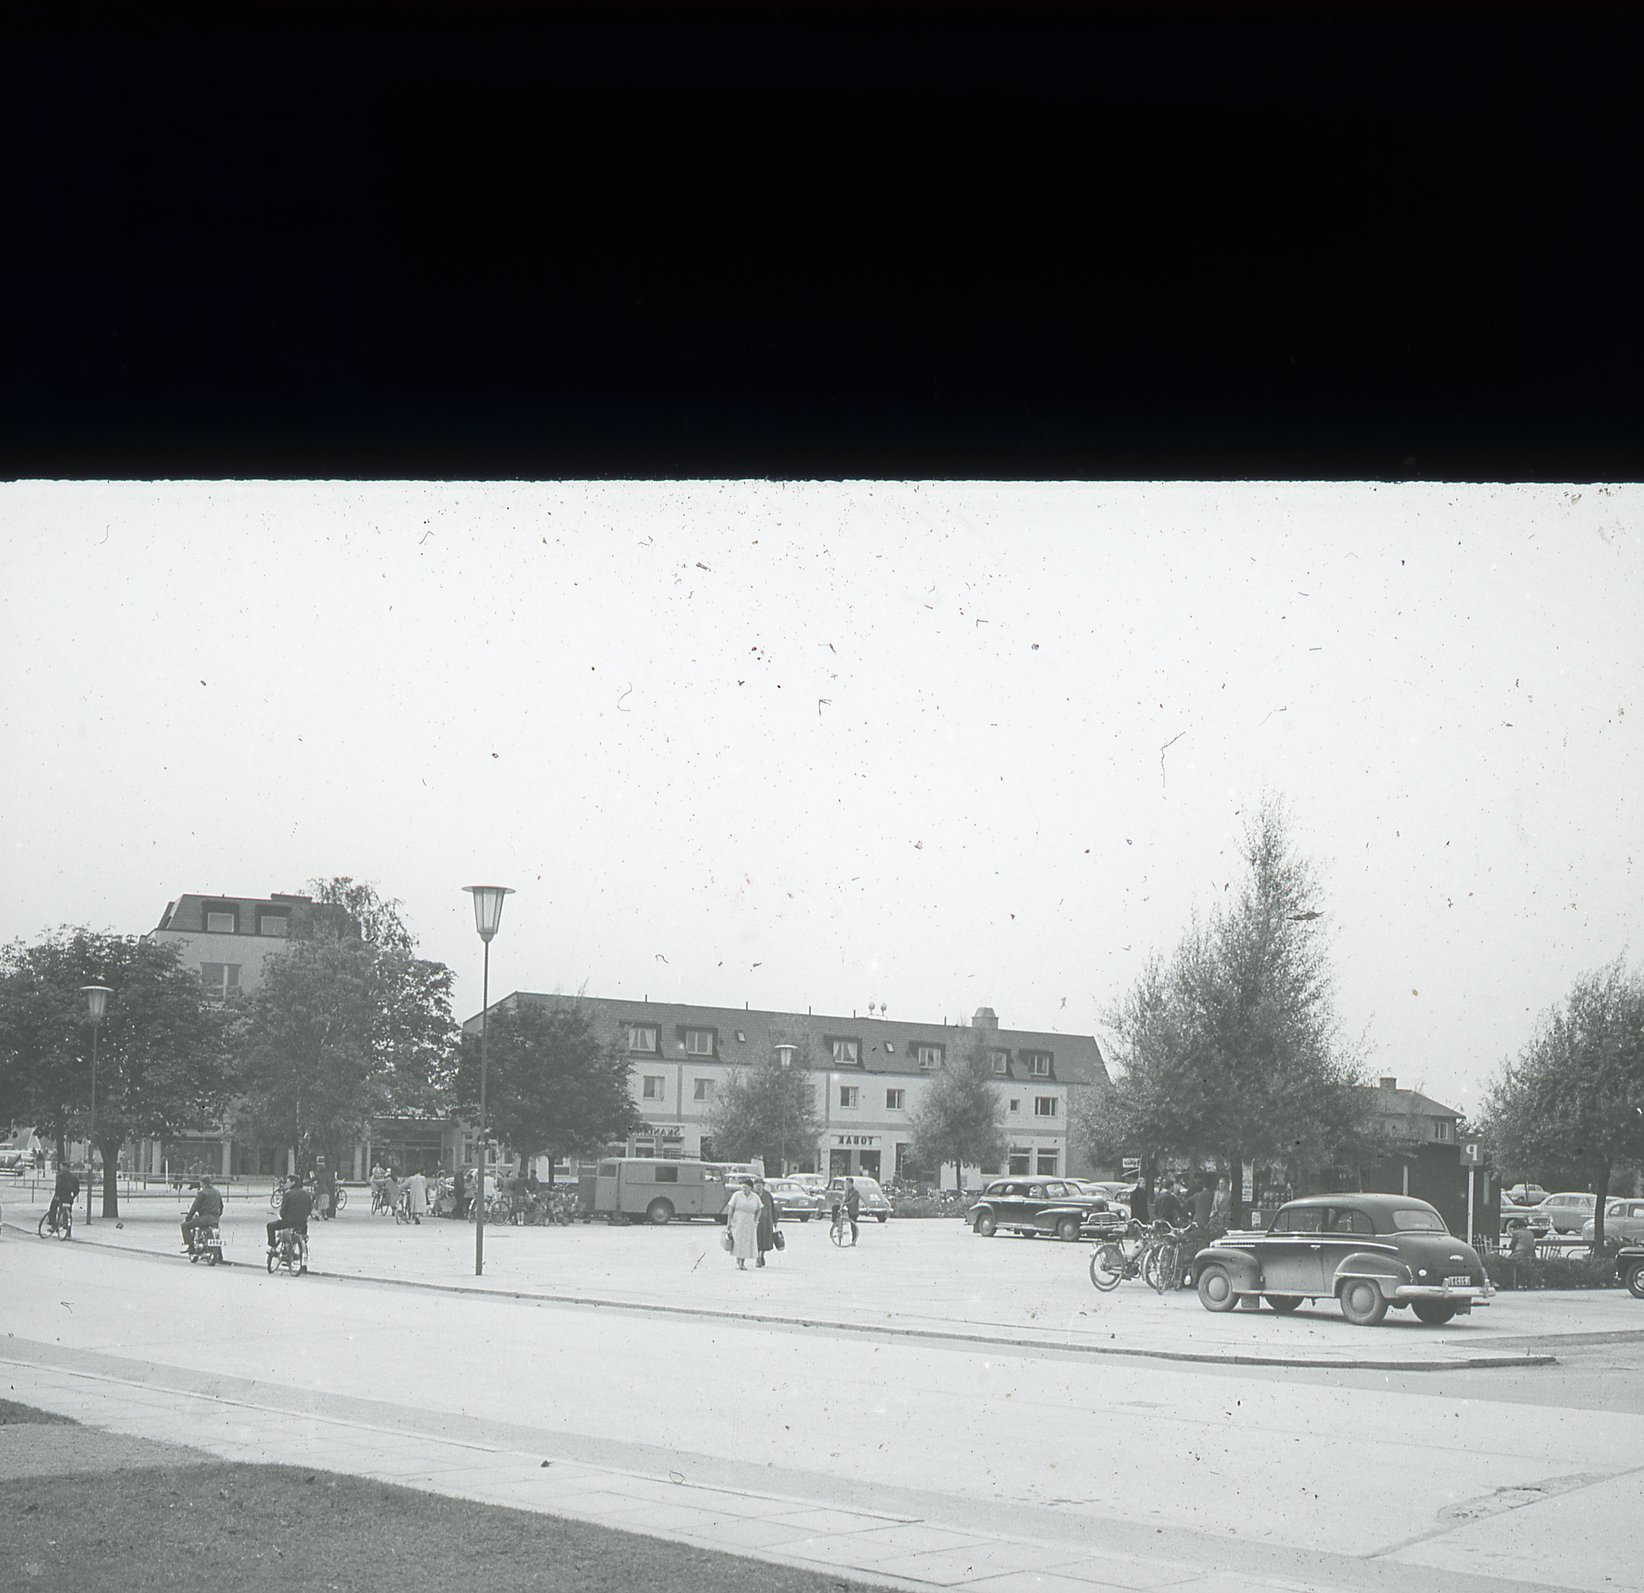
(767, 1220)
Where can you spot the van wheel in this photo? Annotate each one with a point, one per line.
(659, 1212)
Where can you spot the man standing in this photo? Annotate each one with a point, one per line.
(1221, 1209)
(1168, 1206)
(416, 1190)
(325, 1188)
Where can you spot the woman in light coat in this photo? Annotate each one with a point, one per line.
(742, 1223)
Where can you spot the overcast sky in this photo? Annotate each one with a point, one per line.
(816, 746)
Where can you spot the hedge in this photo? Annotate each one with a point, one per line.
(1552, 1272)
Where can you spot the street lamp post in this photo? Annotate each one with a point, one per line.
(487, 915)
(96, 1004)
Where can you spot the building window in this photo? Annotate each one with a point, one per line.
(1038, 1064)
(650, 1087)
(895, 1099)
(220, 920)
(1443, 1128)
(221, 979)
(846, 1053)
(699, 1042)
(1001, 1061)
(642, 1037)
(1020, 1162)
(930, 1056)
(849, 1095)
(277, 924)
(702, 1089)
(1046, 1167)
(1046, 1106)
(1015, 1104)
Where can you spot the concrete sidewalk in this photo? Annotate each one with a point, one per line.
(162, 1416)
(931, 1279)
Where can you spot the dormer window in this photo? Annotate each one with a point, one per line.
(846, 1053)
(1038, 1063)
(642, 1037)
(276, 924)
(928, 1056)
(699, 1042)
(221, 918)
(1001, 1062)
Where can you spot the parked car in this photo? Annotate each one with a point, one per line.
(1623, 1219)
(874, 1203)
(1370, 1252)
(1565, 1212)
(1116, 1195)
(1032, 1206)
(1525, 1194)
(1629, 1266)
(794, 1202)
(15, 1162)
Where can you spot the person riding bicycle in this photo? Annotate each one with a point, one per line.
(206, 1212)
(849, 1208)
(296, 1207)
(67, 1187)
(379, 1187)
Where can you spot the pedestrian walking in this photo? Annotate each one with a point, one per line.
(742, 1224)
(416, 1196)
(767, 1220)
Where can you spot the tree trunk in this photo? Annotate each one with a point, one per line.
(1601, 1192)
(111, 1177)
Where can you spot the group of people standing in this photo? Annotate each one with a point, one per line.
(395, 1193)
(1208, 1207)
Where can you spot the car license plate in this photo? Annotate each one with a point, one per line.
(1457, 1280)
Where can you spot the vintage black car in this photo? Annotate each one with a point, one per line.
(1629, 1267)
(1040, 1205)
(1370, 1252)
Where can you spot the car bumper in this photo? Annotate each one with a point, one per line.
(1469, 1295)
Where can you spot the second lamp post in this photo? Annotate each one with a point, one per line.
(487, 915)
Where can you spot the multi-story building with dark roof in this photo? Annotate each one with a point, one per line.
(230, 938)
(870, 1073)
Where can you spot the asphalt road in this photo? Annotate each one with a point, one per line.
(1330, 1476)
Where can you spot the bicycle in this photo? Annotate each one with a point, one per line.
(290, 1253)
(1125, 1257)
(379, 1200)
(62, 1226)
(838, 1228)
(1165, 1262)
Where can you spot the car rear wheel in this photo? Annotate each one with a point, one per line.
(1068, 1228)
(1635, 1283)
(1284, 1304)
(1216, 1288)
(659, 1212)
(985, 1225)
(1362, 1303)
(1433, 1312)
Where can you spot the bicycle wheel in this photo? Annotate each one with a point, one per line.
(1162, 1268)
(342, 1197)
(47, 1228)
(836, 1232)
(1108, 1266)
(274, 1198)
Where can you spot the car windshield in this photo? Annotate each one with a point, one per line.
(1413, 1219)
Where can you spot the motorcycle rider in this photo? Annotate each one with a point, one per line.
(296, 1207)
(206, 1212)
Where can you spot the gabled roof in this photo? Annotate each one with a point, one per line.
(887, 1044)
(1392, 1101)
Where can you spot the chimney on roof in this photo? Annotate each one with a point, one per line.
(985, 1018)
(1388, 1083)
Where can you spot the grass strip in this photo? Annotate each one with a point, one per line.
(272, 1529)
(14, 1415)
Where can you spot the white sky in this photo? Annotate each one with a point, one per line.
(816, 746)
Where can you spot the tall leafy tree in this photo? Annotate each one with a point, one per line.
(1574, 1097)
(960, 1117)
(767, 1110)
(553, 1087)
(161, 1051)
(348, 1024)
(1230, 1048)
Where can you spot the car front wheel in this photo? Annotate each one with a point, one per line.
(1635, 1283)
(1362, 1303)
(1216, 1288)
(1068, 1228)
(986, 1226)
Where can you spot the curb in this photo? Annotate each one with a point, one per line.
(878, 1330)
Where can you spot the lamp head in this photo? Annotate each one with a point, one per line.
(487, 907)
(96, 1000)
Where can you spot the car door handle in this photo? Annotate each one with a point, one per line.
(1315, 1247)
